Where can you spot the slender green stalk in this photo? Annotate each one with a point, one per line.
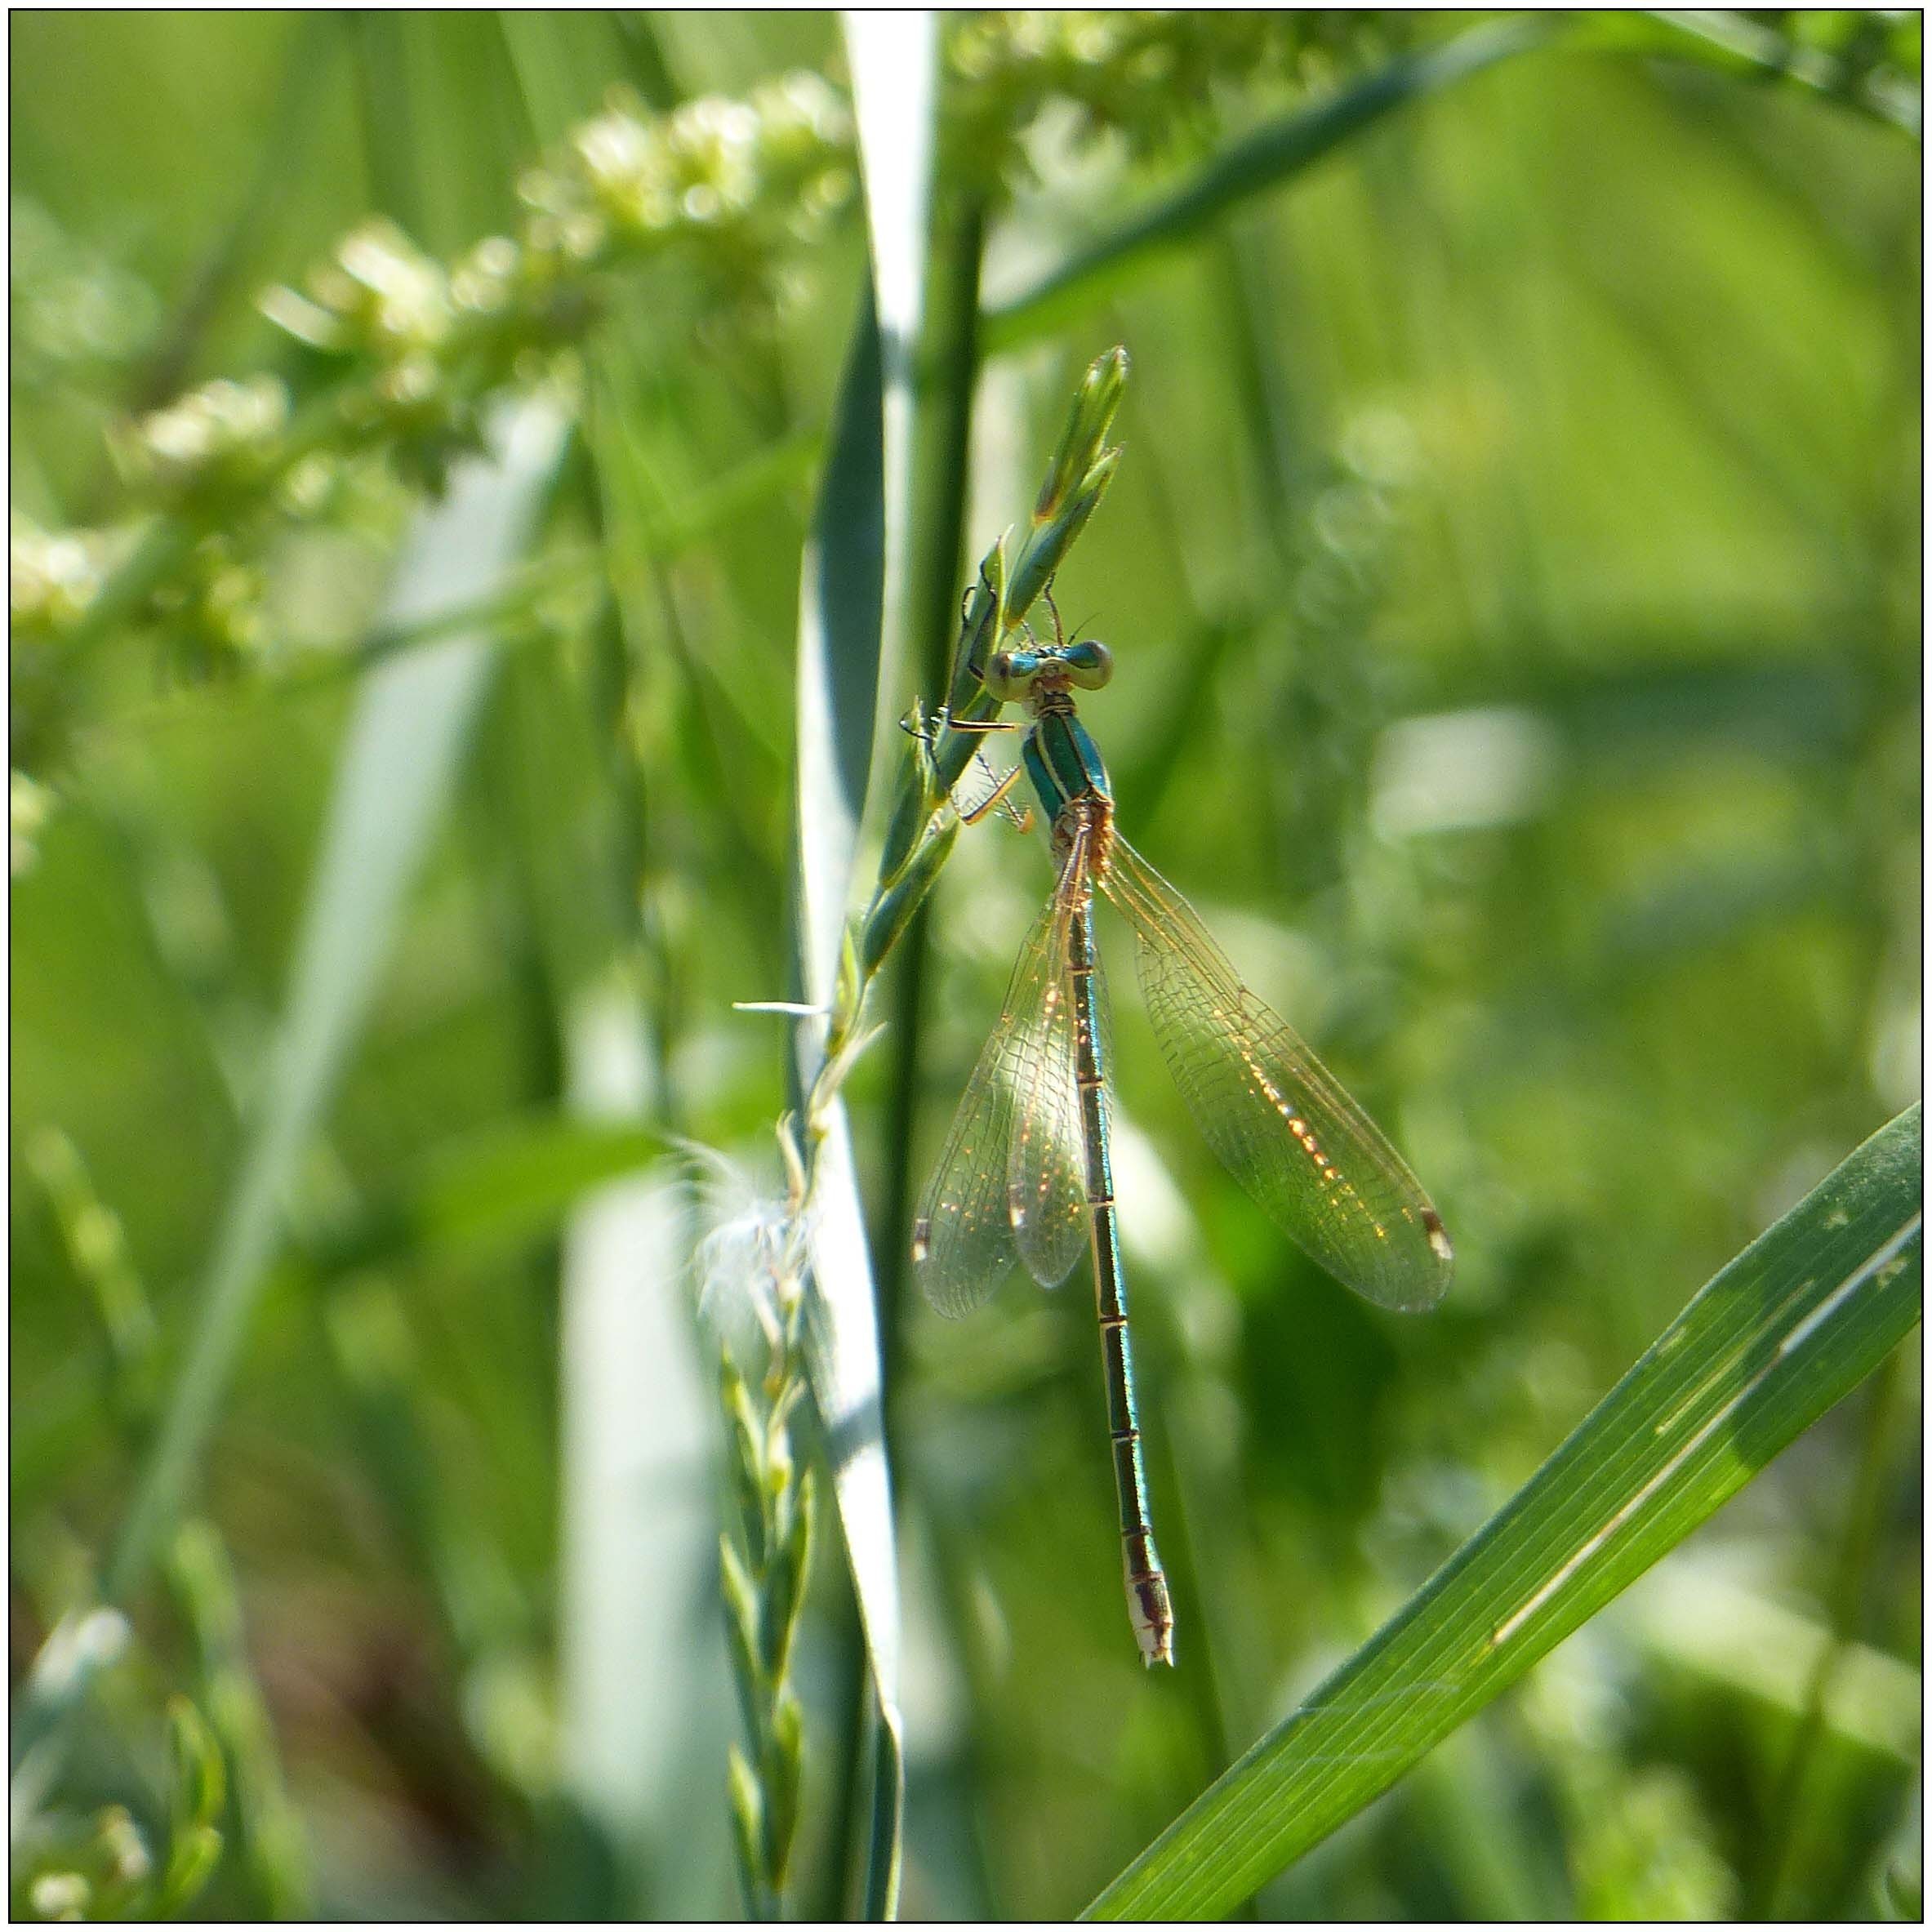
(278, 163)
(616, 701)
(96, 1246)
(158, 552)
(379, 47)
(955, 381)
(1864, 1511)
(645, 60)
(198, 1573)
(1207, 1691)
(269, 1836)
(402, 756)
(766, 1558)
(922, 825)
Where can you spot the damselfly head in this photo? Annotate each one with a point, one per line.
(1013, 676)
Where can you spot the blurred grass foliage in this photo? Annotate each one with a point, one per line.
(1514, 571)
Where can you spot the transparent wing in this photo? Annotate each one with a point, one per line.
(1046, 1169)
(1280, 1119)
(1104, 1000)
(966, 1239)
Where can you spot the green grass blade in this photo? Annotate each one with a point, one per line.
(1732, 41)
(644, 1688)
(841, 596)
(1261, 161)
(853, 586)
(516, 1181)
(404, 746)
(841, 1332)
(1697, 1619)
(222, 272)
(894, 62)
(390, 155)
(1781, 1333)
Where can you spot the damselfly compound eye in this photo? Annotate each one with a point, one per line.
(1089, 663)
(1010, 673)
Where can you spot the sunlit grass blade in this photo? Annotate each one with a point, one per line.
(855, 562)
(840, 595)
(404, 751)
(894, 62)
(1253, 165)
(640, 1650)
(839, 634)
(404, 747)
(1784, 1331)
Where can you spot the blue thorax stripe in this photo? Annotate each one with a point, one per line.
(1064, 763)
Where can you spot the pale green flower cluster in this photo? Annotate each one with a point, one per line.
(781, 162)
(409, 349)
(29, 806)
(1150, 77)
(404, 351)
(210, 597)
(728, 183)
(216, 597)
(52, 576)
(214, 442)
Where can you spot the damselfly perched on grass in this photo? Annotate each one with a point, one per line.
(1028, 1171)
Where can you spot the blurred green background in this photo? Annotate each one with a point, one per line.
(1514, 577)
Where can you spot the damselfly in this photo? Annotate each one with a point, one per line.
(1028, 1171)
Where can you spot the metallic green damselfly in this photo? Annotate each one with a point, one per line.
(1028, 1171)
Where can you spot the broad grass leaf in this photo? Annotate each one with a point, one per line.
(404, 748)
(853, 583)
(641, 1652)
(1782, 1332)
(1256, 163)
